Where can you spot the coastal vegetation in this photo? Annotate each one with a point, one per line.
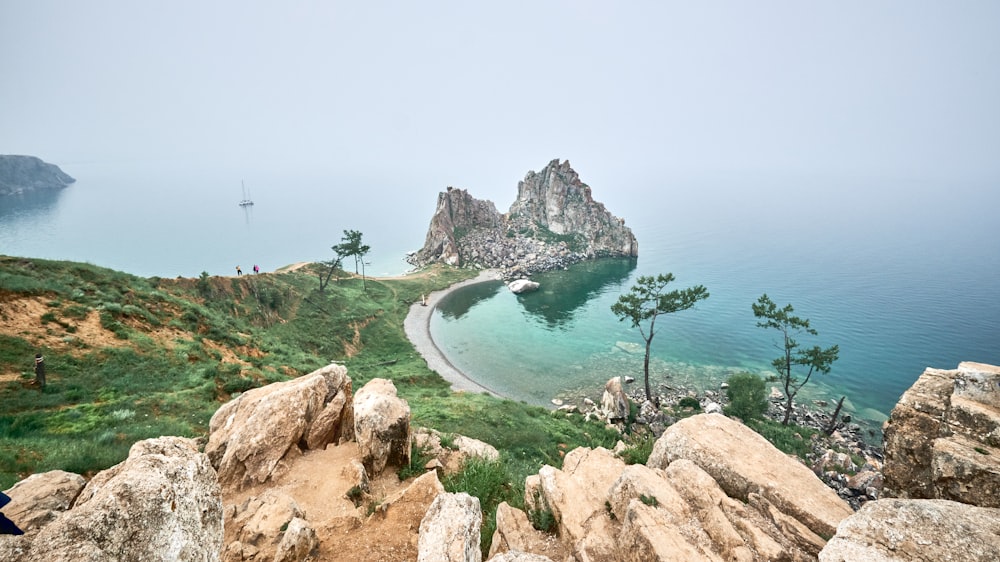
(794, 358)
(648, 299)
(131, 358)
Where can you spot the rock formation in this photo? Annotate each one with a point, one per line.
(162, 503)
(40, 498)
(942, 440)
(382, 426)
(252, 437)
(19, 174)
(554, 222)
(895, 530)
(450, 530)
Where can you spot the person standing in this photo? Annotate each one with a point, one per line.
(238, 271)
(256, 269)
(39, 370)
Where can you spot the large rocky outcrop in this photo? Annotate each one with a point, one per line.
(554, 222)
(942, 440)
(162, 503)
(449, 532)
(894, 530)
(745, 502)
(750, 469)
(19, 174)
(252, 437)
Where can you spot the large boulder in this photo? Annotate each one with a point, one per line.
(519, 286)
(615, 404)
(40, 498)
(577, 497)
(942, 440)
(252, 437)
(161, 503)
(750, 469)
(381, 426)
(894, 530)
(449, 531)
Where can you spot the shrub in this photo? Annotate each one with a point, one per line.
(639, 449)
(689, 402)
(747, 396)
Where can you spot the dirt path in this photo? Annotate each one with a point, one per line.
(417, 328)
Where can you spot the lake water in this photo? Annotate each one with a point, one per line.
(901, 275)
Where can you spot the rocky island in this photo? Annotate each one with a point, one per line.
(555, 222)
(20, 174)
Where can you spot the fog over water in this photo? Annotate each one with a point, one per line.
(853, 142)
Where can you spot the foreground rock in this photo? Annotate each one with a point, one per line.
(712, 490)
(20, 174)
(904, 530)
(38, 499)
(942, 440)
(252, 437)
(162, 503)
(750, 469)
(450, 530)
(554, 222)
(382, 426)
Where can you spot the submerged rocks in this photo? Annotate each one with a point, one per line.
(553, 223)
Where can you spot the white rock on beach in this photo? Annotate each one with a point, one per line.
(522, 286)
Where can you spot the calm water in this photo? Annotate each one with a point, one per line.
(901, 275)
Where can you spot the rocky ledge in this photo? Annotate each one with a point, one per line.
(555, 222)
(19, 174)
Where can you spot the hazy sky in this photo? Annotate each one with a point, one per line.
(474, 94)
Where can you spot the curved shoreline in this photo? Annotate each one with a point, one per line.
(417, 327)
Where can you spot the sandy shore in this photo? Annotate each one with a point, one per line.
(417, 328)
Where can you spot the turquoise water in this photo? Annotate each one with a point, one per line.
(899, 279)
(901, 275)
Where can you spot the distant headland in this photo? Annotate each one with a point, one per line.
(20, 174)
(554, 222)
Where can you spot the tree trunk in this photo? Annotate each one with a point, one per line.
(645, 371)
(788, 409)
(833, 420)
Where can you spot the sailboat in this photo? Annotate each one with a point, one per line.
(246, 202)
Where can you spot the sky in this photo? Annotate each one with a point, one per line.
(423, 95)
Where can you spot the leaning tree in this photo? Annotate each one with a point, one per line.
(648, 299)
(794, 360)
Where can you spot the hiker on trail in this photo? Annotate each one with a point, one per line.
(239, 271)
(39, 370)
(256, 269)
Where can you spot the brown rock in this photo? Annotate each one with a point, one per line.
(893, 530)
(161, 503)
(381, 426)
(40, 498)
(744, 464)
(252, 437)
(449, 532)
(942, 439)
(297, 542)
(514, 533)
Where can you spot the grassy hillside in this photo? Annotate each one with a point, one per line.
(130, 358)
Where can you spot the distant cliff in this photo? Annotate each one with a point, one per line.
(554, 222)
(27, 173)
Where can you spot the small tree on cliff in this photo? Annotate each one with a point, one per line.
(793, 358)
(646, 300)
(351, 246)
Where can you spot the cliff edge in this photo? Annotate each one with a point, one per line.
(554, 222)
(19, 174)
